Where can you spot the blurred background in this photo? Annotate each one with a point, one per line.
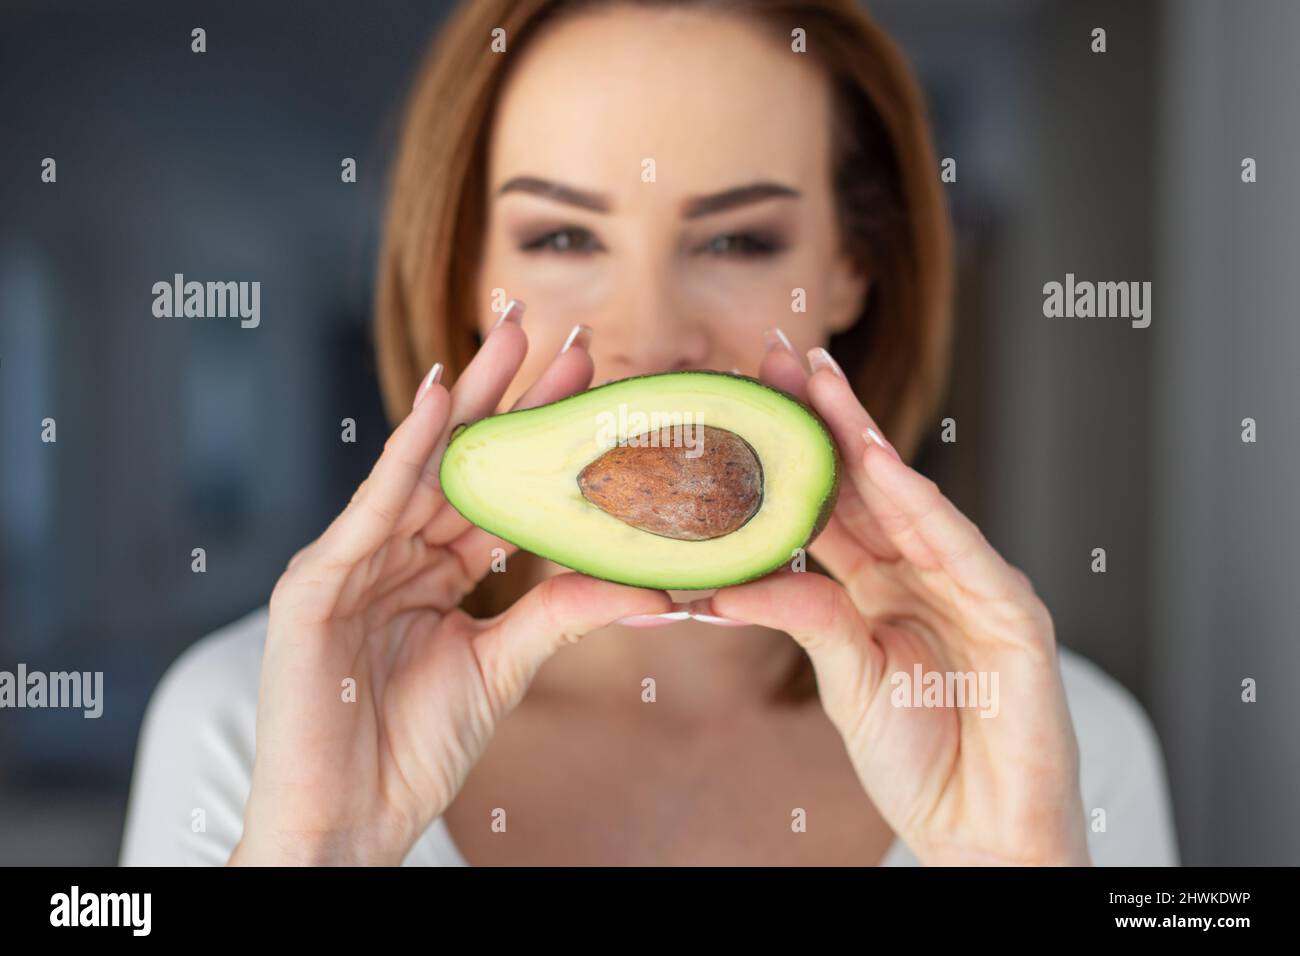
(1072, 434)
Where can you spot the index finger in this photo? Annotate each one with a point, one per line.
(902, 506)
(934, 533)
(476, 394)
(368, 520)
(830, 395)
(569, 372)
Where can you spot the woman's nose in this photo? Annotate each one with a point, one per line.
(650, 335)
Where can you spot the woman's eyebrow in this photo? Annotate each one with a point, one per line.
(557, 192)
(698, 206)
(692, 208)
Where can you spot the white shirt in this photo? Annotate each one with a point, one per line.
(196, 754)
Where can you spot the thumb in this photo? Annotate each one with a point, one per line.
(819, 614)
(559, 611)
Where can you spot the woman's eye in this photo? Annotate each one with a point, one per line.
(741, 245)
(575, 240)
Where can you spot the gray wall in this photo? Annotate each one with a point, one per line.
(1225, 566)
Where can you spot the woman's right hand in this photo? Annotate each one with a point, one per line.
(377, 693)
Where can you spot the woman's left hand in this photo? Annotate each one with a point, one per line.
(917, 586)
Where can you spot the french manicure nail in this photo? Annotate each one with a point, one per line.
(719, 621)
(702, 611)
(434, 376)
(774, 338)
(653, 620)
(819, 358)
(579, 335)
(514, 312)
(870, 434)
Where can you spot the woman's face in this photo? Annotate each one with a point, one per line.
(665, 178)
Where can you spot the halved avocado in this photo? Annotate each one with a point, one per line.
(517, 475)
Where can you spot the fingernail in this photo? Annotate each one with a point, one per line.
(514, 312)
(719, 621)
(705, 614)
(434, 376)
(819, 358)
(774, 338)
(870, 434)
(653, 620)
(579, 335)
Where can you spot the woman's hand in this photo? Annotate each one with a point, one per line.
(377, 694)
(918, 584)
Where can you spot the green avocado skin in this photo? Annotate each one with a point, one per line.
(823, 515)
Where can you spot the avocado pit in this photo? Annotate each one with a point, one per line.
(669, 488)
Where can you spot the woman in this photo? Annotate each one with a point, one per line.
(665, 184)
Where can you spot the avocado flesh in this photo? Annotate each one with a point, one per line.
(515, 475)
